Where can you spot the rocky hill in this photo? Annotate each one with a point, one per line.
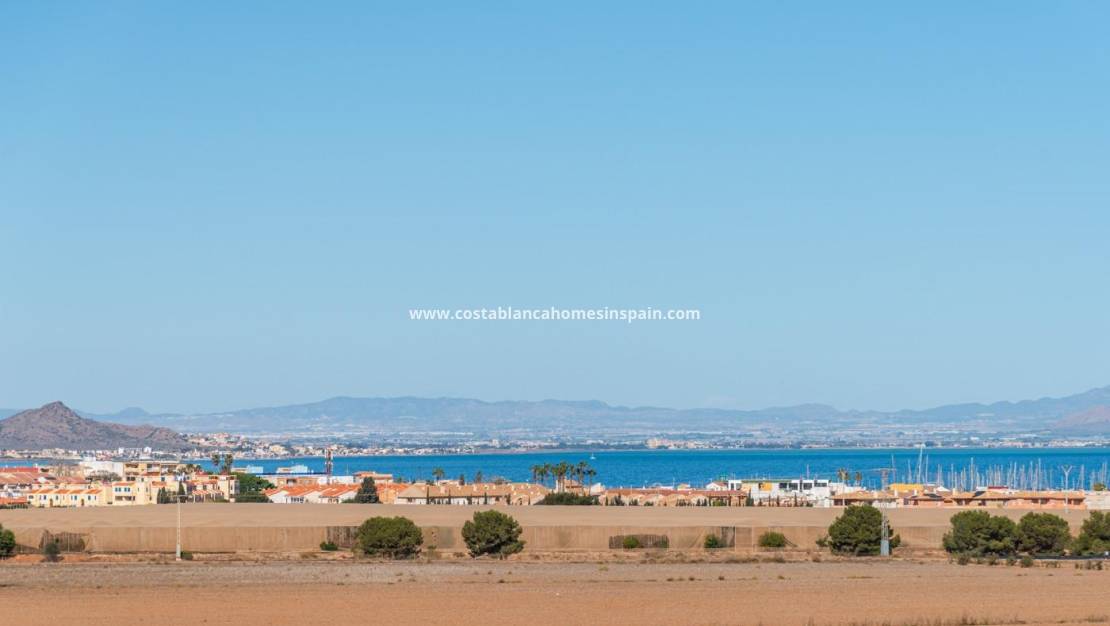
(57, 426)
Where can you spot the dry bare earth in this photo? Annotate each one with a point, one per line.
(492, 593)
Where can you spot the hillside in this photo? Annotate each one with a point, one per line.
(56, 426)
(1095, 420)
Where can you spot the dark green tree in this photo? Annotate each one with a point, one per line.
(252, 488)
(392, 537)
(367, 492)
(7, 542)
(164, 496)
(51, 551)
(1043, 534)
(493, 533)
(1094, 536)
(568, 499)
(978, 533)
(858, 531)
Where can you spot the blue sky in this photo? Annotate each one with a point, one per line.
(208, 206)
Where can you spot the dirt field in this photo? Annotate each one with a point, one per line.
(492, 593)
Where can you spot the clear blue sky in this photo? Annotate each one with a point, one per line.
(211, 206)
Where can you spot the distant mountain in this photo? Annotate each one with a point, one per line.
(56, 426)
(464, 415)
(1075, 414)
(1093, 421)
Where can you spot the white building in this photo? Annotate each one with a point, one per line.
(787, 491)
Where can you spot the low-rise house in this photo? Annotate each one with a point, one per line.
(665, 496)
(66, 497)
(884, 499)
(472, 494)
(1003, 498)
(312, 494)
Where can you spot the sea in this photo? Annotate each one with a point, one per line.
(960, 468)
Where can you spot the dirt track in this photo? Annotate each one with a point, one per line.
(491, 593)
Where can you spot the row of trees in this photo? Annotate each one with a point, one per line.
(491, 533)
(858, 532)
(560, 471)
(979, 534)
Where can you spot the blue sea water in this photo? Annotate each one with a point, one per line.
(697, 467)
(666, 467)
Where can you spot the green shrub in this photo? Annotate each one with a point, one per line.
(392, 537)
(1099, 486)
(858, 531)
(664, 542)
(1042, 534)
(978, 533)
(51, 551)
(328, 546)
(492, 532)
(186, 555)
(1094, 536)
(1027, 561)
(963, 559)
(631, 542)
(772, 539)
(713, 542)
(565, 498)
(7, 542)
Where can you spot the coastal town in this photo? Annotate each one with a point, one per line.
(115, 483)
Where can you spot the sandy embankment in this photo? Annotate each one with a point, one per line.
(291, 528)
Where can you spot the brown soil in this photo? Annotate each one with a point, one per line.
(491, 593)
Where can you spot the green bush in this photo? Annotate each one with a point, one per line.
(1099, 486)
(1094, 536)
(772, 539)
(1042, 534)
(713, 542)
(7, 542)
(328, 546)
(392, 537)
(494, 533)
(186, 555)
(978, 533)
(572, 499)
(51, 551)
(631, 542)
(1027, 561)
(858, 531)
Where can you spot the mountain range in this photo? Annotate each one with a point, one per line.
(1086, 413)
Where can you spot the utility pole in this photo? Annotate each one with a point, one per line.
(180, 481)
(884, 537)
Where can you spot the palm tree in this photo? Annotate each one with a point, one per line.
(438, 473)
(560, 470)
